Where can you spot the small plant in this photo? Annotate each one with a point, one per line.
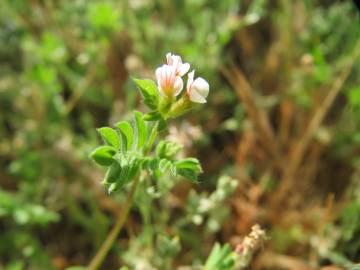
(133, 153)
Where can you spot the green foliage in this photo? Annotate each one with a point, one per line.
(149, 92)
(141, 130)
(127, 134)
(221, 258)
(124, 163)
(110, 136)
(103, 155)
(188, 168)
(167, 150)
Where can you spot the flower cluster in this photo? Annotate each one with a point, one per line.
(170, 82)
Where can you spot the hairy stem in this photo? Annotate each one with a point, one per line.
(152, 138)
(105, 247)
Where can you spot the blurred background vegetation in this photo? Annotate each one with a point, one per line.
(283, 119)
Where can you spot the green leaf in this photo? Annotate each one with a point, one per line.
(167, 150)
(149, 92)
(141, 129)
(103, 155)
(221, 258)
(164, 165)
(189, 163)
(120, 174)
(110, 136)
(125, 170)
(150, 163)
(188, 168)
(188, 174)
(225, 251)
(130, 166)
(213, 257)
(112, 174)
(127, 134)
(135, 166)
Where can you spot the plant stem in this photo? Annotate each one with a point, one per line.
(109, 241)
(152, 138)
(105, 247)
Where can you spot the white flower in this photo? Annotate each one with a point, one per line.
(169, 83)
(175, 61)
(197, 90)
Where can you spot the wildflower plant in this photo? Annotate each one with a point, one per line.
(127, 147)
(133, 152)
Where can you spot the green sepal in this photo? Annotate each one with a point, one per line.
(165, 104)
(103, 155)
(180, 107)
(152, 116)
